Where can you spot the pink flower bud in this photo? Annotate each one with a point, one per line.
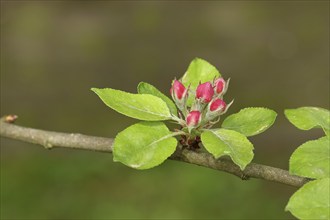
(219, 84)
(205, 92)
(193, 118)
(178, 90)
(217, 105)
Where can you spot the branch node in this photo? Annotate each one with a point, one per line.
(48, 145)
(244, 176)
(10, 118)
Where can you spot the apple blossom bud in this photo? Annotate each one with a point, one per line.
(216, 108)
(205, 92)
(178, 91)
(217, 105)
(193, 118)
(220, 85)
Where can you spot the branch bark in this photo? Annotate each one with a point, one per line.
(51, 139)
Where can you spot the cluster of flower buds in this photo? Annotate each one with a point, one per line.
(208, 102)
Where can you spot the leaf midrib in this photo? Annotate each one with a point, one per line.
(160, 139)
(230, 147)
(144, 110)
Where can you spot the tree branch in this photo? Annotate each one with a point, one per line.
(50, 139)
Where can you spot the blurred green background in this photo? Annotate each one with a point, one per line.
(52, 53)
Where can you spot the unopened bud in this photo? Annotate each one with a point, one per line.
(219, 85)
(205, 92)
(217, 105)
(216, 108)
(178, 91)
(193, 118)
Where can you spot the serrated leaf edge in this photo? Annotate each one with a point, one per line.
(325, 130)
(288, 208)
(297, 149)
(263, 129)
(217, 157)
(171, 134)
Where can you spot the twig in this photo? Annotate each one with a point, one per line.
(50, 139)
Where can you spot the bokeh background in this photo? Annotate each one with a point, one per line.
(52, 52)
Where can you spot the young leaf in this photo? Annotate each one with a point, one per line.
(227, 142)
(199, 71)
(327, 132)
(146, 88)
(144, 145)
(140, 106)
(311, 201)
(306, 118)
(312, 159)
(250, 121)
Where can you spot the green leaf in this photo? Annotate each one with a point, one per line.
(312, 159)
(227, 142)
(306, 118)
(144, 145)
(311, 201)
(146, 88)
(327, 132)
(140, 106)
(250, 121)
(199, 71)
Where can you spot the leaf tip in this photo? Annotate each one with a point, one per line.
(95, 90)
(141, 84)
(196, 59)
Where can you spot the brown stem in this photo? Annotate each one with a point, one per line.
(50, 139)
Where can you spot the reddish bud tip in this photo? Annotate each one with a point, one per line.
(219, 85)
(205, 92)
(193, 118)
(217, 105)
(178, 89)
